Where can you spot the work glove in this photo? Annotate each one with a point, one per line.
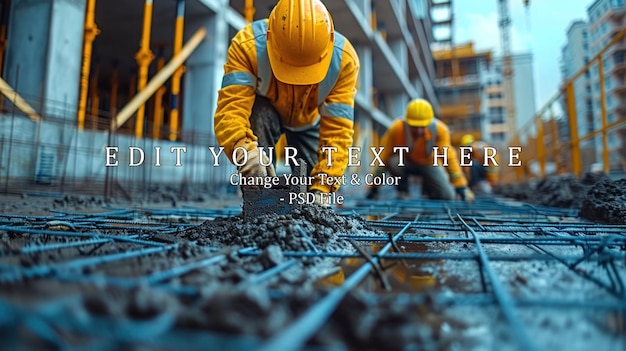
(324, 202)
(253, 166)
(466, 194)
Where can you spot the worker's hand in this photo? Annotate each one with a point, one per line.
(321, 198)
(466, 194)
(253, 166)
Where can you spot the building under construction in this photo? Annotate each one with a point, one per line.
(78, 69)
(117, 230)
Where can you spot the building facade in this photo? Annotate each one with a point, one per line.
(470, 85)
(575, 55)
(461, 76)
(523, 96)
(606, 19)
(73, 58)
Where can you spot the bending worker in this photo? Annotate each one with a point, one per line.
(420, 131)
(482, 178)
(291, 73)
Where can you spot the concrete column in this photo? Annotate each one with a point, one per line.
(366, 9)
(366, 72)
(401, 53)
(45, 43)
(396, 104)
(203, 77)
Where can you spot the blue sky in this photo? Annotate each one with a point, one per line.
(542, 32)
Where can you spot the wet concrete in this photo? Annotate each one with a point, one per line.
(306, 228)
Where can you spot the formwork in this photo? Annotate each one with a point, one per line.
(429, 275)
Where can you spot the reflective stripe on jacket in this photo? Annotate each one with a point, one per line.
(247, 73)
(420, 151)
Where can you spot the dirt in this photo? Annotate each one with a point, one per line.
(564, 191)
(306, 228)
(598, 198)
(606, 202)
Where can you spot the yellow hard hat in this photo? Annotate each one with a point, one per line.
(419, 113)
(467, 140)
(300, 40)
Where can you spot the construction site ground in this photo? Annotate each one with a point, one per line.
(502, 273)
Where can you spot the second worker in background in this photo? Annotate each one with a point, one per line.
(420, 131)
(291, 73)
(482, 177)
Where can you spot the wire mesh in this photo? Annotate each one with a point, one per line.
(513, 275)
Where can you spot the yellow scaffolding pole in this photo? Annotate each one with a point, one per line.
(159, 79)
(554, 136)
(573, 128)
(605, 136)
(249, 10)
(541, 151)
(18, 101)
(143, 57)
(91, 31)
(179, 31)
(158, 99)
(95, 98)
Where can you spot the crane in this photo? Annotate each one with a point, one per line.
(504, 23)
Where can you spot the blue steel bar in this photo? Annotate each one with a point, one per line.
(78, 234)
(295, 335)
(51, 269)
(255, 279)
(437, 256)
(47, 247)
(505, 301)
(180, 270)
(616, 240)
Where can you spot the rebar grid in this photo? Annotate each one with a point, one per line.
(475, 237)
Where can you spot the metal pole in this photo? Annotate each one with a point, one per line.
(541, 152)
(573, 128)
(179, 31)
(115, 84)
(18, 101)
(605, 137)
(160, 77)
(143, 57)
(554, 139)
(248, 11)
(94, 109)
(91, 31)
(158, 98)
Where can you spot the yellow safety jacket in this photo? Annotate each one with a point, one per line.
(247, 73)
(421, 149)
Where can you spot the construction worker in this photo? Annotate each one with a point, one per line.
(421, 132)
(481, 178)
(291, 73)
